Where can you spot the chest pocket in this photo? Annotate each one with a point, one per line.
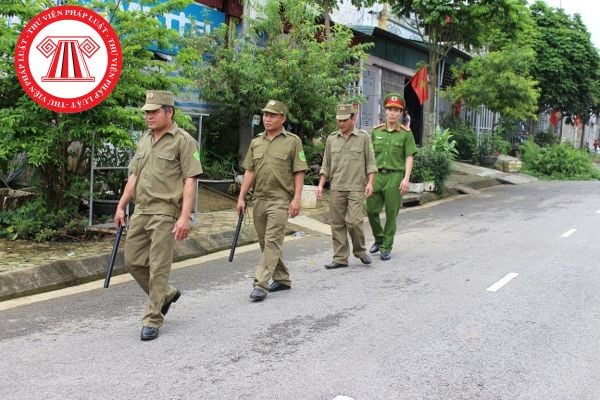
(355, 153)
(166, 161)
(398, 148)
(280, 160)
(258, 159)
(378, 144)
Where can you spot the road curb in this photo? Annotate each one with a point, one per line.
(65, 273)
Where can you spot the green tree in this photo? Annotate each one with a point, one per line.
(465, 24)
(328, 6)
(567, 64)
(47, 137)
(499, 80)
(281, 56)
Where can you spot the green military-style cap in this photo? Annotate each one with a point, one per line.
(344, 111)
(276, 107)
(155, 99)
(393, 100)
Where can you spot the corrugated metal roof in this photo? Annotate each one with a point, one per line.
(374, 31)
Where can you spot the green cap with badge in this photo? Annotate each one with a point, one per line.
(393, 100)
(276, 107)
(155, 99)
(344, 111)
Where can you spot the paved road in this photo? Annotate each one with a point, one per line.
(442, 320)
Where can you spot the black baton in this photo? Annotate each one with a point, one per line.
(236, 235)
(113, 255)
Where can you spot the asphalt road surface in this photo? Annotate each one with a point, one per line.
(495, 296)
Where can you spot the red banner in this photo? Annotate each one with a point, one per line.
(419, 84)
(554, 118)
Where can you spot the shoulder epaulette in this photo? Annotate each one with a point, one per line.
(286, 132)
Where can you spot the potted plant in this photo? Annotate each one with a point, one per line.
(490, 147)
(219, 174)
(313, 151)
(421, 177)
(110, 177)
(434, 161)
(485, 151)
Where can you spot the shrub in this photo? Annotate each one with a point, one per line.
(493, 144)
(547, 138)
(434, 161)
(36, 221)
(559, 161)
(464, 135)
(217, 167)
(109, 183)
(500, 144)
(313, 150)
(422, 168)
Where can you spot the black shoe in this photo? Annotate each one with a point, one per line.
(277, 286)
(165, 308)
(333, 265)
(374, 249)
(365, 259)
(149, 333)
(386, 255)
(258, 295)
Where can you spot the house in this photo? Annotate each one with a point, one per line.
(394, 59)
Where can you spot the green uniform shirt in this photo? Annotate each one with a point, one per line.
(161, 169)
(274, 163)
(347, 162)
(393, 147)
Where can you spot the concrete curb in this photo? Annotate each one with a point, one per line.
(64, 273)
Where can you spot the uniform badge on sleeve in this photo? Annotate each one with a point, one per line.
(302, 156)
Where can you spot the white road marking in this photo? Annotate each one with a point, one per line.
(498, 285)
(568, 233)
(342, 397)
(598, 212)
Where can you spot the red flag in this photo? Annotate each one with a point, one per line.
(419, 84)
(554, 118)
(457, 106)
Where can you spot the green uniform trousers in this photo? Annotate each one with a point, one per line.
(270, 219)
(148, 257)
(347, 214)
(386, 192)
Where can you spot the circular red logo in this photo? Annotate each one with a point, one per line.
(68, 59)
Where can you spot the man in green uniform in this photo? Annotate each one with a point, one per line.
(349, 164)
(162, 184)
(275, 165)
(394, 149)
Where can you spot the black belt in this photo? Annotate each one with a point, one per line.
(386, 171)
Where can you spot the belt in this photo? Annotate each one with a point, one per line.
(386, 171)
